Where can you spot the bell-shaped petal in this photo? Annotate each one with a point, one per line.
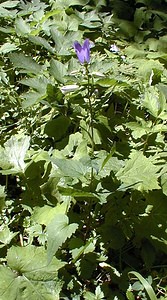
(83, 52)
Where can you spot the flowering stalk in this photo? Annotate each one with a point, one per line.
(83, 54)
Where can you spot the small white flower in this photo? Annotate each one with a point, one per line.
(114, 48)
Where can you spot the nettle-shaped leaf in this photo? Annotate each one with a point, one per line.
(58, 70)
(139, 173)
(26, 64)
(139, 128)
(14, 153)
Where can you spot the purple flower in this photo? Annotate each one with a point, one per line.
(83, 52)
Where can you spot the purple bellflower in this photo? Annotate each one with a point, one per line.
(83, 52)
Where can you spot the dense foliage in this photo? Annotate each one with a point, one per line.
(83, 150)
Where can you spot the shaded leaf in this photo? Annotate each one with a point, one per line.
(57, 127)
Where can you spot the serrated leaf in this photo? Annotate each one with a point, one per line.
(22, 27)
(7, 47)
(155, 216)
(42, 42)
(9, 4)
(6, 235)
(71, 167)
(58, 231)
(154, 101)
(32, 98)
(139, 129)
(58, 70)
(99, 295)
(26, 63)
(139, 172)
(38, 84)
(164, 182)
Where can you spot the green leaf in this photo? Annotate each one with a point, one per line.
(44, 215)
(99, 295)
(37, 40)
(58, 231)
(22, 27)
(75, 193)
(15, 151)
(9, 4)
(38, 84)
(9, 284)
(155, 215)
(77, 248)
(2, 197)
(7, 47)
(139, 128)
(6, 235)
(164, 182)
(26, 63)
(146, 285)
(32, 262)
(57, 127)
(154, 101)
(130, 295)
(139, 172)
(58, 70)
(71, 167)
(32, 98)
(106, 82)
(30, 275)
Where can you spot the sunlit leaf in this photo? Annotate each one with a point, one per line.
(26, 63)
(140, 172)
(58, 231)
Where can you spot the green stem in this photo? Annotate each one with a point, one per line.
(90, 108)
